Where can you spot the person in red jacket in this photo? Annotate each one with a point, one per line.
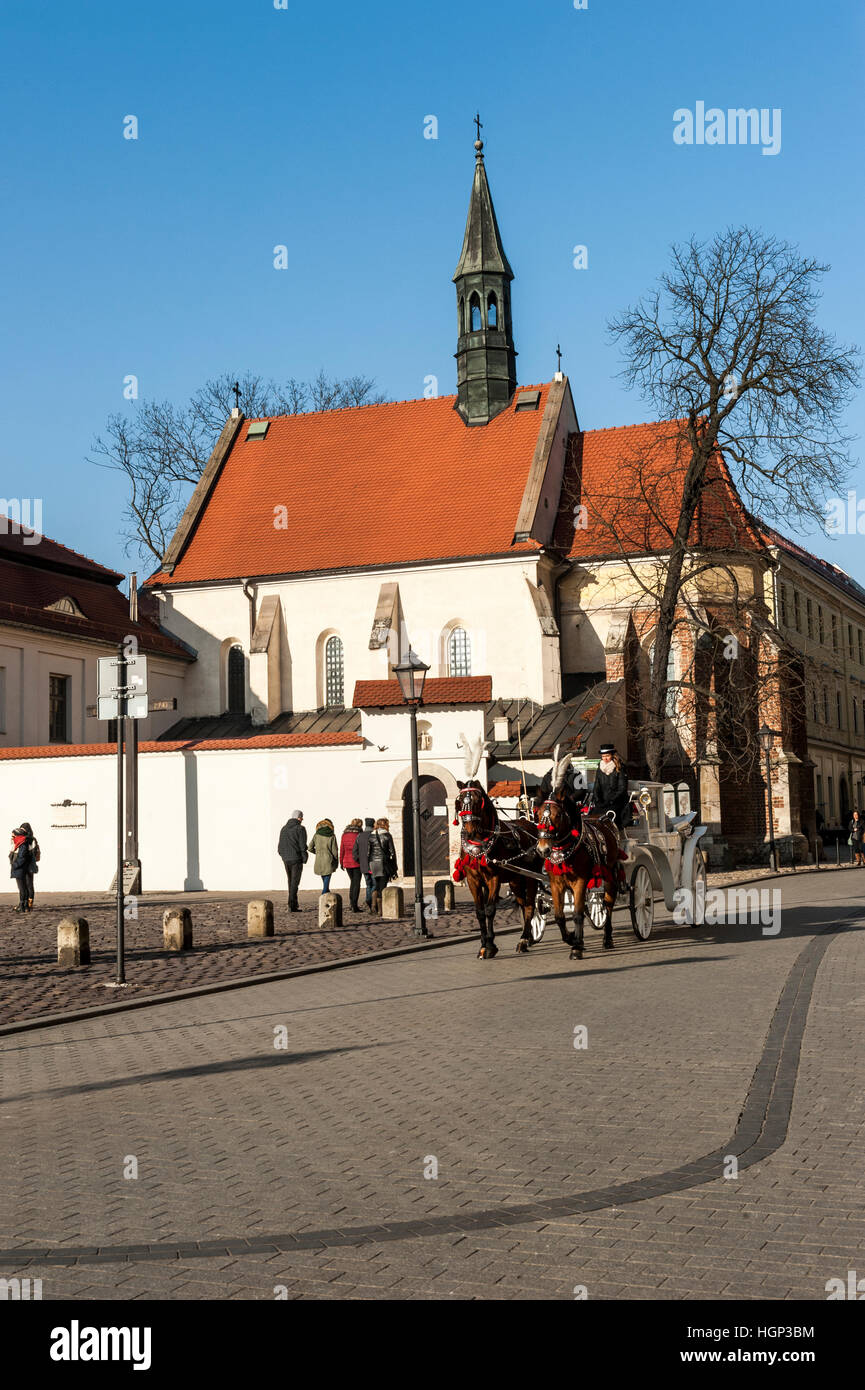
(348, 860)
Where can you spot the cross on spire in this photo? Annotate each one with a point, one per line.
(479, 125)
(236, 389)
(559, 356)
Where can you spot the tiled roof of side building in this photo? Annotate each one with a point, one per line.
(369, 486)
(34, 549)
(824, 568)
(438, 690)
(629, 479)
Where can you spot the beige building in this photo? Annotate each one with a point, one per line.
(821, 611)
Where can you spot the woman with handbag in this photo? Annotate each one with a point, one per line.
(857, 830)
(382, 860)
(24, 859)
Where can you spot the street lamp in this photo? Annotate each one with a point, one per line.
(411, 675)
(766, 740)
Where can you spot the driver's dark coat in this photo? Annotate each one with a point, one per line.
(610, 791)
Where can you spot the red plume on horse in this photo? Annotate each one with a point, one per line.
(492, 852)
(578, 853)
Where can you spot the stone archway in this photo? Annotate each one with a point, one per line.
(395, 808)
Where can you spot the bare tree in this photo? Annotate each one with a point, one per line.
(162, 448)
(728, 350)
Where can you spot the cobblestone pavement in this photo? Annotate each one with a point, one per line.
(31, 984)
(306, 1171)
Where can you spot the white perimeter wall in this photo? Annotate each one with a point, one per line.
(211, 820)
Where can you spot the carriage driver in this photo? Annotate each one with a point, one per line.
(610, 791)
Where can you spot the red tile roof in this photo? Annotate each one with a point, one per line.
(42, 550)
(506, 789)
(630, 481)
(438, 690)
(366, 486)
(202, 745)
(26, 588)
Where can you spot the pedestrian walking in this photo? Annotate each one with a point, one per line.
(349, 861)
(323, 845)
(293, 852)
(857, 831)
(24, 859)
(381, 857)
(361, 850)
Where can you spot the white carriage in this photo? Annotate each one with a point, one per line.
(664, 860)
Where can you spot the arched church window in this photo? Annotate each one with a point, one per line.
(462, 314)
(492, 312)
(475, 312)
(236, 681)
(671, 697)
(459, 653)
(334, 672)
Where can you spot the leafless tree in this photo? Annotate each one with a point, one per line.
(162, 448)
(726, 348)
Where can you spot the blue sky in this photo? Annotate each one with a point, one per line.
(304, 127)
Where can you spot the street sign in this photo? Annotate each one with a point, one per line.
(108, 707)
(108, 692)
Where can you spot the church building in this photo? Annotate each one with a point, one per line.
(318, 549)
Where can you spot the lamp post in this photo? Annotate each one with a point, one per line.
(766, 739)
(411, 675)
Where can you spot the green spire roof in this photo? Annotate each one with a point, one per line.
(482, 245)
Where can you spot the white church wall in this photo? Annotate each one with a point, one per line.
(489, 598)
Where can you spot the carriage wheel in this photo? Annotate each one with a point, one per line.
(596, 908)
(700, 889)
(642, 904)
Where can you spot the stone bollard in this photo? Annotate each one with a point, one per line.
(392, 903)
(330, 910)
(73, 942)
(177, 929)
(259, 917)
(444, 895)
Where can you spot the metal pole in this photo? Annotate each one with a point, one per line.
(121, 807)
(419, 924)
(773, 859)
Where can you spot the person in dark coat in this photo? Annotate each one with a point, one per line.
(381, 857)
(610, 792)
(293, 852)
(361, 850)
(23, 864)
(348, 860)
(857, 831)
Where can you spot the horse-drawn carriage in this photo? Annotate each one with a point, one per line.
(663, 857)
(569, 865)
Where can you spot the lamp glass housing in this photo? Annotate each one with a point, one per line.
(411, 675)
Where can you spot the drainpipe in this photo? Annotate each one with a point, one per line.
(247, 585)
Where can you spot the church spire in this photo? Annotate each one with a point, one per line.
(486, 359)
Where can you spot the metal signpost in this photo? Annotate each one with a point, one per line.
(122, 695)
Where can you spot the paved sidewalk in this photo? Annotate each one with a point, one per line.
(307, 1170)
(32, 984)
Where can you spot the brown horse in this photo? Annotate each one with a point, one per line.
(576, 852)
(491, 853)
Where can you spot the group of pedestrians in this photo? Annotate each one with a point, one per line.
(365, 851)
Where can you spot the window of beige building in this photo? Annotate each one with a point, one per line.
(834, 633)
(850, 641)
(809, 616)
(797, 621)
(821, 632)
(861, 662)
(783, 594)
